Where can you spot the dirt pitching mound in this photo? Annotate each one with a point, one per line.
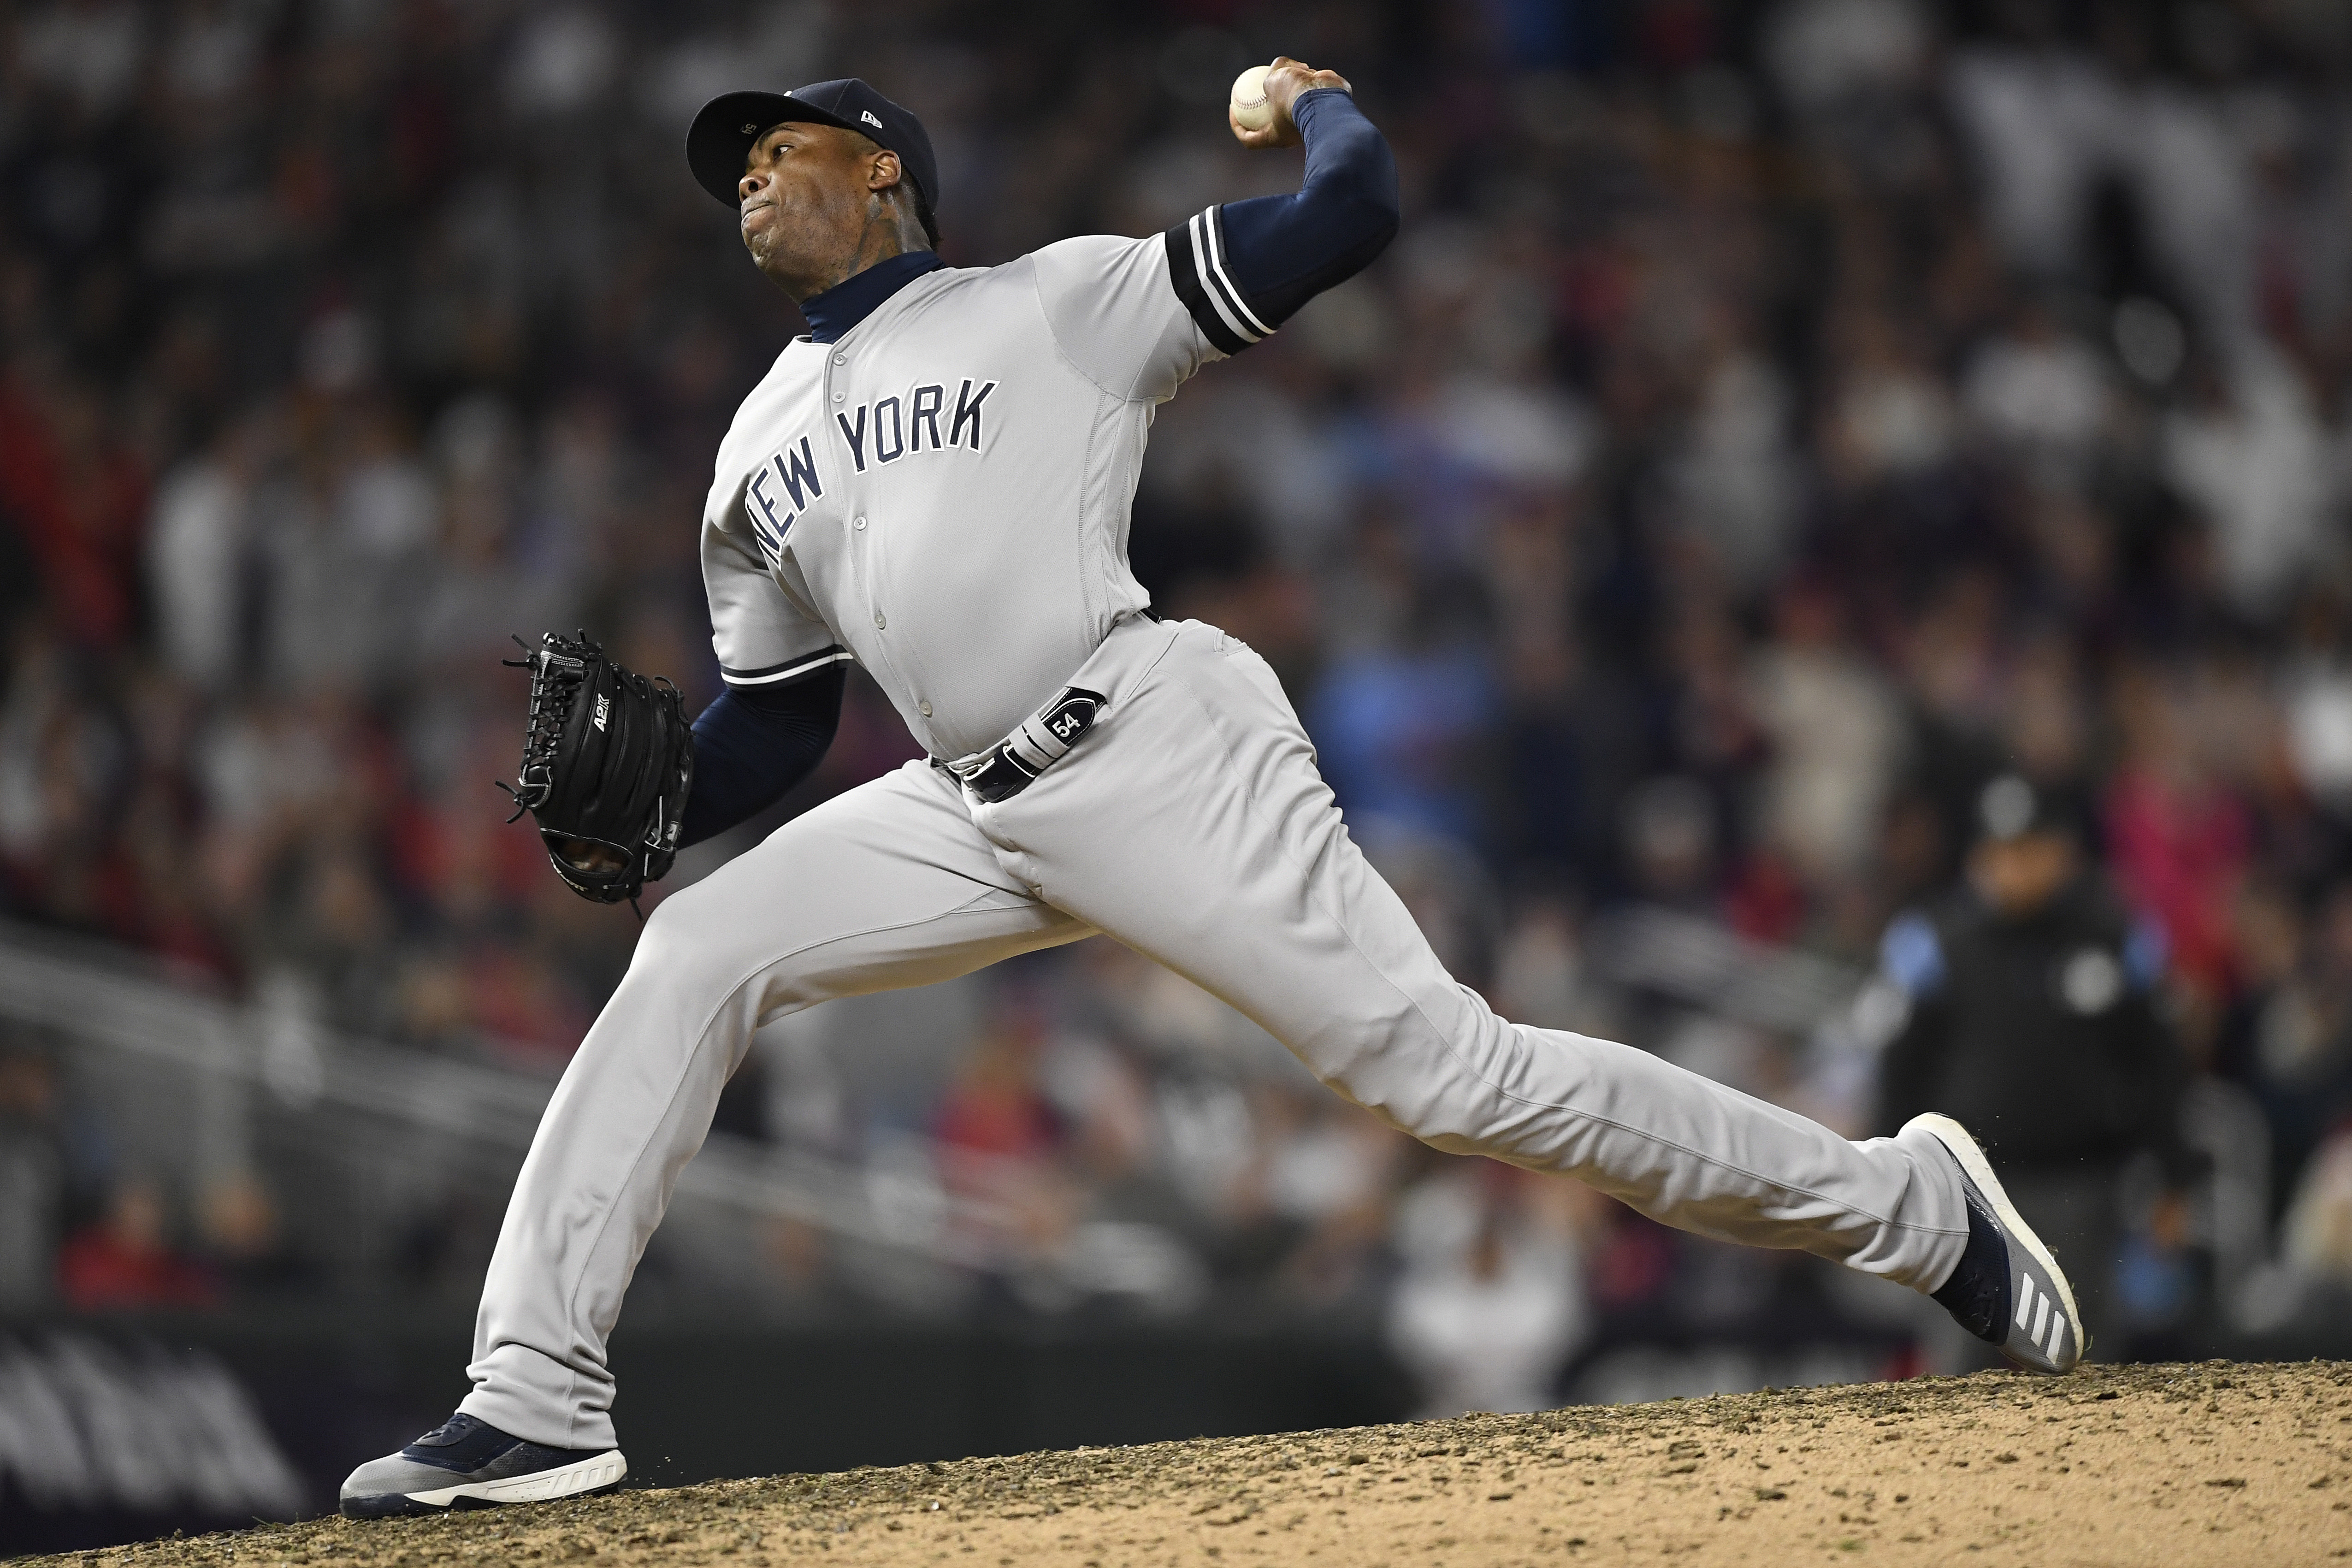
(2207, 1464)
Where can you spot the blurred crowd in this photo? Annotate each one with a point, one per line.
(1774, 422)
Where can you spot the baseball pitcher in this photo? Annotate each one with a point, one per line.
(935, 484)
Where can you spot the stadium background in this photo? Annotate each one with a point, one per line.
(1773, 420)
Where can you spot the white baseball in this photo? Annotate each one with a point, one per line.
(1251, 110)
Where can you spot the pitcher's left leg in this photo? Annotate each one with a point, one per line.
(1192, 825)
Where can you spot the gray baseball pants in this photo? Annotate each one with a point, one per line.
(1191, 825)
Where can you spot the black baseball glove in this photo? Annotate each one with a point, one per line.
(607, 760)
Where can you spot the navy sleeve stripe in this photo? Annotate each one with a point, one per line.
(1188, 272)
(1212, 236)
(808, 664)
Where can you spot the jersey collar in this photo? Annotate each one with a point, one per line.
(851, 301)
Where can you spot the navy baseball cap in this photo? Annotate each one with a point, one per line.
(721, 135)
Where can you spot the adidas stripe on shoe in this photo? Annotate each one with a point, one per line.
(2008, 1289)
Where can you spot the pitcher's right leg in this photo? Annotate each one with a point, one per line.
(1192, 825)
(886, 886)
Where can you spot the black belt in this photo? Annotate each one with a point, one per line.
(1042, 740)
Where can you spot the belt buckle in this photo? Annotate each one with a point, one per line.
(999, 778)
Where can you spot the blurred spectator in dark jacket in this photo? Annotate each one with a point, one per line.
(2033, 1020)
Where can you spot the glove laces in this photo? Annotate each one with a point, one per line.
(551, 696)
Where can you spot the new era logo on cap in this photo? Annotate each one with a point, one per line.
(867, 116)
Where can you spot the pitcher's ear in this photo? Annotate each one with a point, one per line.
(884, 171)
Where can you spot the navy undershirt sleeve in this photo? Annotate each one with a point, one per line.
(753, 743)
(1278, 252)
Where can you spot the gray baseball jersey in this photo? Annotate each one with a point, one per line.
(907, 496)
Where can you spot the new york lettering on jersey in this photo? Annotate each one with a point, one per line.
(877, 434)
(889, 428)
(776, 494)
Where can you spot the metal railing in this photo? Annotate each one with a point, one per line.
(340, 1099)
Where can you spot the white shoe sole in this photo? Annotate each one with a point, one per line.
(1956, 1138)
(566, 1480)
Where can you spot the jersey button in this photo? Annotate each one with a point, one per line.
(927, 709)
(860, 523)
(841, 359)
(838, 396)
(881, 620)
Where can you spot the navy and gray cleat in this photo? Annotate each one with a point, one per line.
(2008, 1290)
(468, 1463)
